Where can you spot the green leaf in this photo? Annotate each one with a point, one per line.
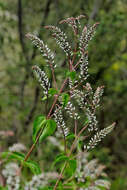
(70, 136)
(60, 159)
(86, 121)
(60, 186)
(17, 156)
(44, 98)
(4, 154)
(38, 124)
(49, 129)
(72, 166)
(53, 91)
(3, 188)
(65, 99)
(13, 155)
(33, 166)
(72, 75)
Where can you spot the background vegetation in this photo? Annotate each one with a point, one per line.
(19, 94)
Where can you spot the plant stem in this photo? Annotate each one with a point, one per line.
(54, 79)
(31, 149)
(37, 139)
(56, 98)
(75, 127)
(72, 148)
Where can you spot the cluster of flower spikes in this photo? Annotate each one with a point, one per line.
(13, 179)
(10, 173)
(86, 99)
(91, 103)
(83, 99)
(91, 169)
(17, 147)
(41, 180)
(73, 22)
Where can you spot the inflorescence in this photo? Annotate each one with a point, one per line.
(79, 89)
(99, 136)
(42, 78)
(61, 39)
(60, 122)
(46, 52)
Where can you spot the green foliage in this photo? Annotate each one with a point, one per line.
(72, 167)
(70, 136)
(65, 99)
(52, 91)
(61, 158)
(13, 155)
(86, 121)
(49, 129)
(72, 75)
(33, 166)
(119, 183)
(38, 124)
(3, 188)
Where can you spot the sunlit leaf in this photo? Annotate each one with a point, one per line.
(38, 124)
(49, 129)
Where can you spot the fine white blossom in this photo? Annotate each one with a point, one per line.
(99, 136)
(60, 122)
(42, 78)
(17, 147)
(46, 52)
(61, 39)
(40, 180)
(12, 179)
(71, 110)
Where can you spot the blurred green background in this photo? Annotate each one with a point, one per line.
(20, 97)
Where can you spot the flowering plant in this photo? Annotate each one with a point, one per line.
(76, 100)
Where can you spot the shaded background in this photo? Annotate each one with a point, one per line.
(20, 97)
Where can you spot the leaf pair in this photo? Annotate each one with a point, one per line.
(33, 166)
(72, 164)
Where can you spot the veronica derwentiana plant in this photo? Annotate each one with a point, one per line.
(73, 110)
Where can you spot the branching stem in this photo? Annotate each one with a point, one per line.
(72, 148)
